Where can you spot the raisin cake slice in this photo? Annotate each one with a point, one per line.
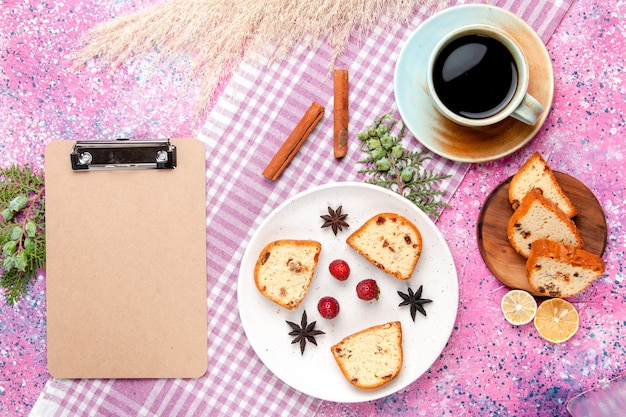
(537, 218)
(536, 173)
(284, 270)
(389, 241)
(558, 270)
(371, 357)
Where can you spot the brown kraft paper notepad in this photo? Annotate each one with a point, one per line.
(126, 267)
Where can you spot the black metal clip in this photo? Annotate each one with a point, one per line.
(123, 154)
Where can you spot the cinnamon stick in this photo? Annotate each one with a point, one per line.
(340, 143)
(294, 142)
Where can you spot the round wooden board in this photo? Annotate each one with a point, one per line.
(507, 265)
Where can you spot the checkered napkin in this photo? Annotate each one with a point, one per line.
(252, 118)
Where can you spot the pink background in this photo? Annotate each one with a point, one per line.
(489, 367)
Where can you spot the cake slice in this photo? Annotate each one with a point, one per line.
(537, 218)
(558, 270)
(389, 241)
(372, 357)
(284, 270)
(536, 173)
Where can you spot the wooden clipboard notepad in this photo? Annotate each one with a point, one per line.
(126, 259)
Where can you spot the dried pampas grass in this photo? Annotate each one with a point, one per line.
(215, 35)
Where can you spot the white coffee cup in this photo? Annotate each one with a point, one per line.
(475, 92)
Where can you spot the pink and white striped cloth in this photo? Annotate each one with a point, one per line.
(251, 119)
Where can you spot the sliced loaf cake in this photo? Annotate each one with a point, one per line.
(389, 241)
(558, 270)
(537, 218)
(284, 270)
(372, 357)
(536, 173)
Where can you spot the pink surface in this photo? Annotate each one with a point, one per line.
(489, 367)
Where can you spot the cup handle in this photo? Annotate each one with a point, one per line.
(528, 111)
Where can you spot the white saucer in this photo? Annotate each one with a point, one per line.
(436, 132)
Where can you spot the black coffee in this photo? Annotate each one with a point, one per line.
(475, 76)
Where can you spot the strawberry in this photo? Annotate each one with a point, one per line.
(367, 290)
(328, 307)
(339, 269)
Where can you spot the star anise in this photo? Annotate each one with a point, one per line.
(304, 332)
(335, 219)
(415, 300)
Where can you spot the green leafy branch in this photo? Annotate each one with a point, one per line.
(388, 164)
(22, 236)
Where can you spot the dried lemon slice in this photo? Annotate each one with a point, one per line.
(556, 320)
(518, 306)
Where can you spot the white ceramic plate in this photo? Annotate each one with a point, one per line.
(436, 132)
(316, 373)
